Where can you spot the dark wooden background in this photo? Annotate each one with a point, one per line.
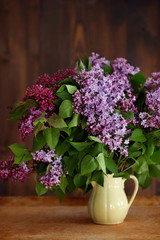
(38, 36)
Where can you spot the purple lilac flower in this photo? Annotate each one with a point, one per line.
(121, 65)
(44, 155)
(96, 59)
(43, 92)
(43, 96)
(17, 173)
(52, 176)
(26, 123)
(47, 81)
(99, 99)
(151, 118)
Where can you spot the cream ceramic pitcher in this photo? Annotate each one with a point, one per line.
(109, 204)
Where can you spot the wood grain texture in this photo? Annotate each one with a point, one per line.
(45, 218)
(38, 36)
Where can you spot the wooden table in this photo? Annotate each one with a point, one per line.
(45, 218)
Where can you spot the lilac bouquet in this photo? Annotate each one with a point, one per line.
(102, 117)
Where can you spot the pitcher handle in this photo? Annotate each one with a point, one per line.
(134, 191)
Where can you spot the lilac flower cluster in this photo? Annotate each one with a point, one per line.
(26, 123)
(121, 65)
(44, 155)
(43, 96)
(96, 59)
(52, 176)
(43, 92)
(17, 173)
(151, 118)
(102, 99)
(47, 81)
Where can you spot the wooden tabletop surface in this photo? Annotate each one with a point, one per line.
(45, 218)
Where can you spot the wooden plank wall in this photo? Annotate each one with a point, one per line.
(38, 36)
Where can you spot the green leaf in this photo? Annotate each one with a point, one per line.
(154, 171)
(141, 99)
(75, 121)
(143, 149)
(58, 101)
(144, 180)
(83, 123)
(51, 136)
(80, 65)
(135, 154)
(98, 176)
(136, 80)
(96, 149)
(27, 157)
(150, 147)
(57, 121)
(135, 147)
(101, 162)
(72, 151)
(70, 163)
(78, 135)
(25, 104)
(21, 153)
(30, 103)
(39, 123)
(95, 139)
(79, 180)
(64, 95)
(18, 159)
(87, 63)
(117, 111)
(81, 146)
(41, 119)
(71, 89)
(88, 164)
(18, 149)
(66, 130)
(18, 113)
(39, 126)
(70, 186)
(66, 109)
(40, 188)
(128, 115)
(141, 165)
(111, 165)
(17, 105)
(63, 183)
(88, 185)
(21, 108)
(60, 194)
(38, 142)
(138, 136)
(62, 147)
(107, 69)
(156, 157)
(68, 81)
(61, 89)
